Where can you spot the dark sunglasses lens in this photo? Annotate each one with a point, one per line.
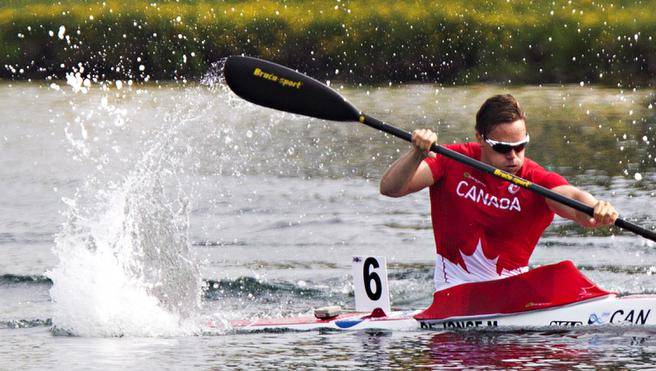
(502, 148)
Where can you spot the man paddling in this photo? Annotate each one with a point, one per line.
(486, 228)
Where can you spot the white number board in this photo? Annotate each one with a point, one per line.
(370, 283)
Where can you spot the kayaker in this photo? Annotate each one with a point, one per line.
(486, 228)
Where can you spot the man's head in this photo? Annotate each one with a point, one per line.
(501, 121)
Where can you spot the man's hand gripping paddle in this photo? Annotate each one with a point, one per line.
(278, 87)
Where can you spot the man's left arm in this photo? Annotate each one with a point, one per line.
(604, 213)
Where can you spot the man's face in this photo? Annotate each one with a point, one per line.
(512, 132)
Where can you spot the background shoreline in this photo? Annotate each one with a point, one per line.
(353, 42)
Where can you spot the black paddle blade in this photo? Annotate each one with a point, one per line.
(275, 86)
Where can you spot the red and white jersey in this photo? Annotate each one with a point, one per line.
(485, 227)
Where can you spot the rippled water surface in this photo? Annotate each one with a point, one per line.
(132, 217)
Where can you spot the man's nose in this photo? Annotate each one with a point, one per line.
(512, 154)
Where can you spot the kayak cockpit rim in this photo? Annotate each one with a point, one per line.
(609, 297)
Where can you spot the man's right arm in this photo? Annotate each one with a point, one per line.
(410, 173)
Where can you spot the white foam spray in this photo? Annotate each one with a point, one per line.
(125, 265)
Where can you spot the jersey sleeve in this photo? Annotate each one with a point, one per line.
(439, 164)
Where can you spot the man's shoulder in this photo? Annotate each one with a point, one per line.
(530, 168)
(441, 165)
(471, 149)
(534, 172)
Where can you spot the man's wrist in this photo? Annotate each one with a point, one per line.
(418, 153)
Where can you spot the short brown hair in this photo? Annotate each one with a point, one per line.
(499, 109)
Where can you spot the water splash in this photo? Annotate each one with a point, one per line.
(125, 271)
(125, 264)
(214, 77)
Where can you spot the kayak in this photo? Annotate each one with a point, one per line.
(555, 295)
(635, 310)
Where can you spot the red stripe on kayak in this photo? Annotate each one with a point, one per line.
(540, 288)
(305, 320)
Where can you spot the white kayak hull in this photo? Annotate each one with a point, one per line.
(635, 310)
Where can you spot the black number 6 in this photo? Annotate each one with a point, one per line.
(371, 276)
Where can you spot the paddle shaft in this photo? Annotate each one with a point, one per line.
(279, 87)
(547, 193)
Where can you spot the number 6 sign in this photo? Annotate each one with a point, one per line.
(370, 283)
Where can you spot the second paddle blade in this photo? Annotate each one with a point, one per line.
(275, 86)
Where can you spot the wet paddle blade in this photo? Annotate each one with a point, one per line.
(275, 86)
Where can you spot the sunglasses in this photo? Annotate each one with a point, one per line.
(505, 147)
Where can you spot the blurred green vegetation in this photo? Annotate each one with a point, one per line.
(449, 41)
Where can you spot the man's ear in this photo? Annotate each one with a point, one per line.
(479, 137)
